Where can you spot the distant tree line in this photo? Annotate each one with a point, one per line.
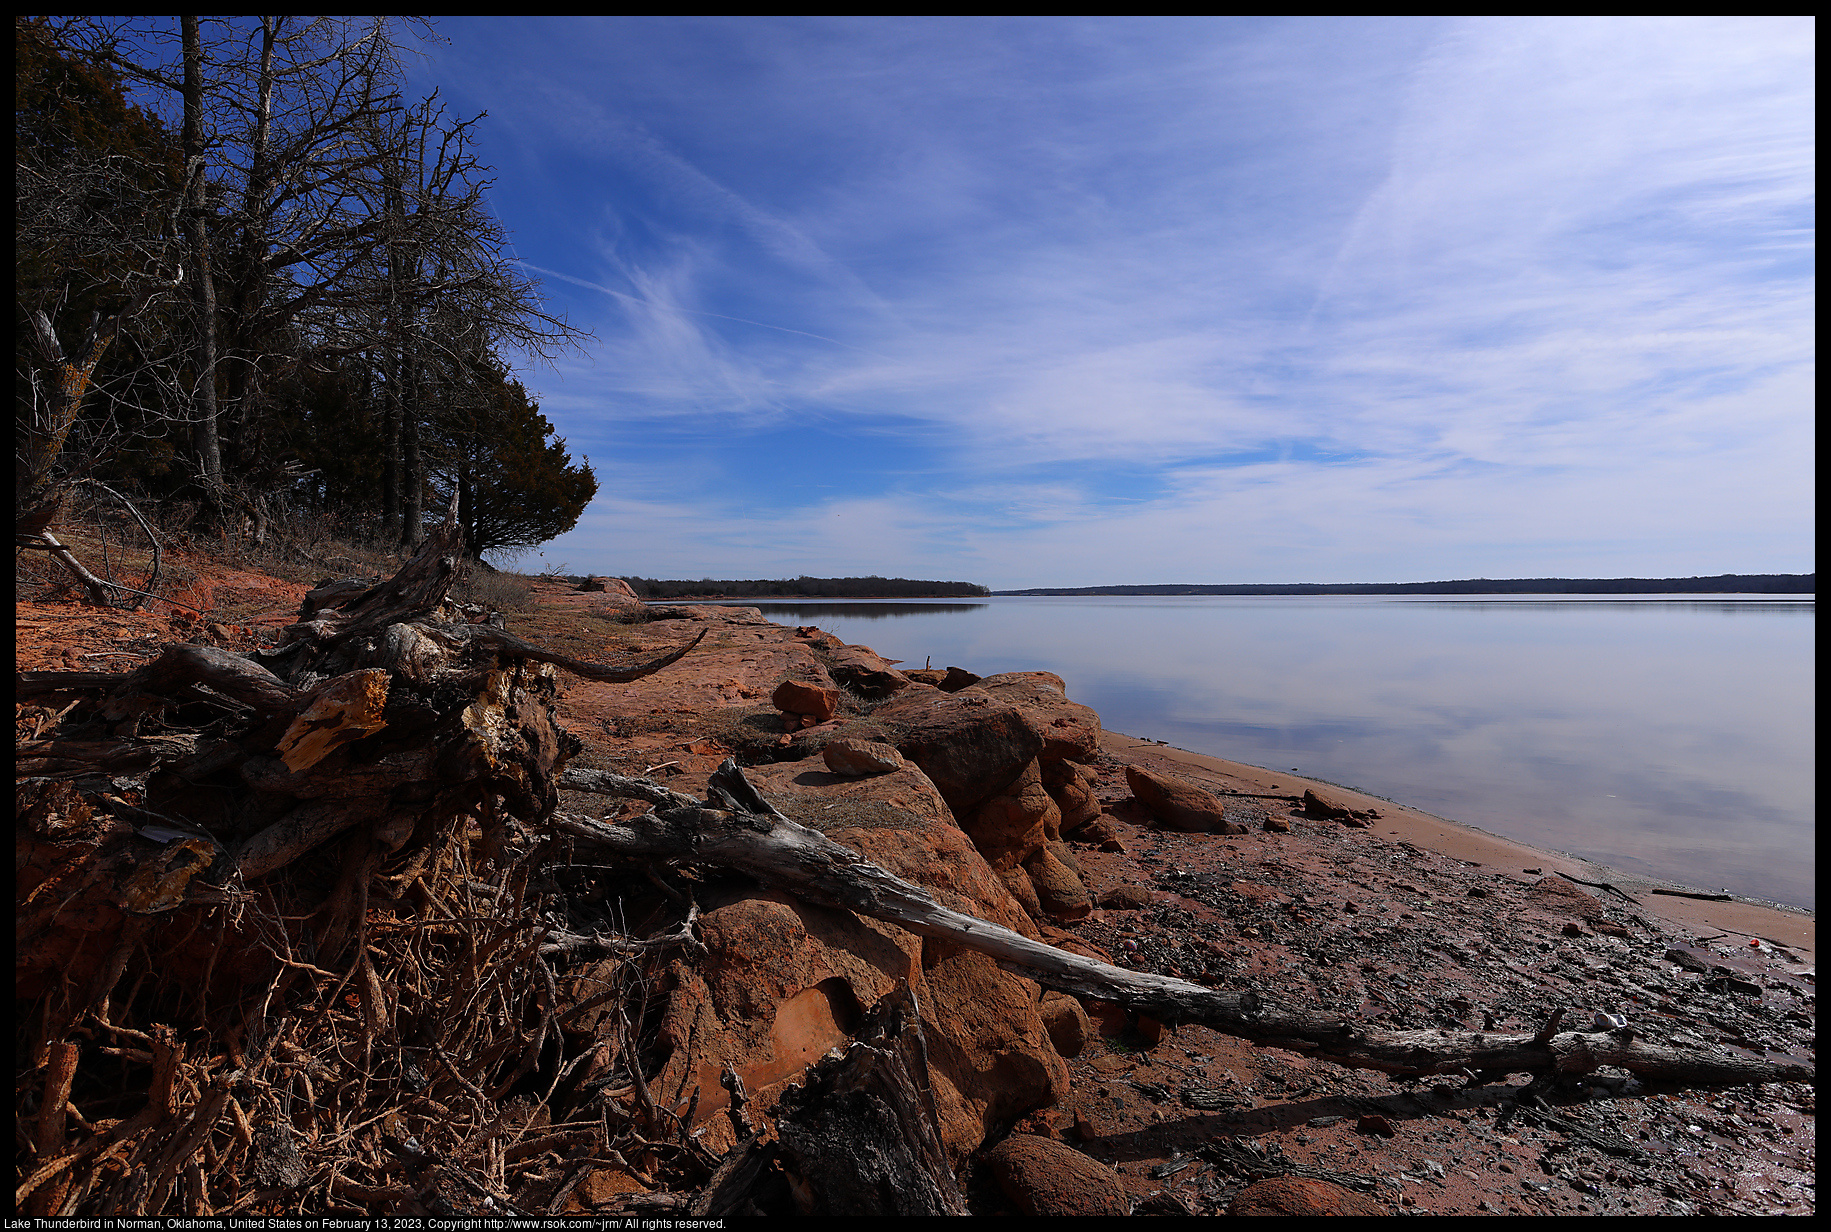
(1723, 583)
(806, 587)
(257, 278)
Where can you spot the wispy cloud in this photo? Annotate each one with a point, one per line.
(1406, 298)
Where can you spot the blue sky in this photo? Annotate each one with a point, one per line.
(1080, 301)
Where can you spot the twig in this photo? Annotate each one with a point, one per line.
(1601, 885)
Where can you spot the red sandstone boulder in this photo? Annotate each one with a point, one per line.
(1070, 1030)
(865, 672)
(957, 678)
(1178, 805)
(1295, 1195)
(858, 758)
(971, 745)
(1059, 890)
(1044, 1177)
(798, 697)
(990, 1054)
(1323, 807)
(1070, 731)
(1012, 825)
(1072, 789)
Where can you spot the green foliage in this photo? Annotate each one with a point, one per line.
(517, 486)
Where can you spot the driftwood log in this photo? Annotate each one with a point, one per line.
(749, 835)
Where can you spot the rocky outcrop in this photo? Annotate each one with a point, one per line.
(1070, 1030)
(1072, 788)
(1177, 805)
(1044, 1177)
(972, 746)
(952, 680)
(992, 749)
(865, 672)
(1070, 731)
(614, 589)
(782, 982)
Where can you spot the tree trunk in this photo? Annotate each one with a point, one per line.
(205, 442)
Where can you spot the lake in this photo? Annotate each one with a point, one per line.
(1670, 736)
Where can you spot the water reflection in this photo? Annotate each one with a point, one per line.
(884, 609)
(1646, 737)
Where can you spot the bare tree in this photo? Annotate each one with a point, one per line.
(320, 218)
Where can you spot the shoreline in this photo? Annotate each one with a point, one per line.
(1791, 927)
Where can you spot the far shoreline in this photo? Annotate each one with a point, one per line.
(1792, 927)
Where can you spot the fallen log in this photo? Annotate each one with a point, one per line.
(750, 836)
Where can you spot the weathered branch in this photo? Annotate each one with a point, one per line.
(177, 668)
(621, 673)
(606, 783)
(792, 857)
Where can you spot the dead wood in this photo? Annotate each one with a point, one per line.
(751, 836)
(860, 1137)
(313, 860)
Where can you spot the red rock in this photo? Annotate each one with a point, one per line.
(1069, 1027)
(1059, 891)
(1101, 829)
(1071, 731)
(1153, 1030)
(799, 697)
(1323, 807)
(971, 745)
(1011, 826)
(1374, 1123)
(1044, 1177)
(957, 678)
(862, 670)
(1071, 787)
(1295, 1195)
(1556, 895)
(1125, 897)
(1178, 805)
(858, 758)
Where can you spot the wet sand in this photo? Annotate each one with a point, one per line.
(1797, 930)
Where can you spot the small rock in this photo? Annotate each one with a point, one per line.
(1178, 805)
(1044, 1177)
(1295, 1195)
(860, 758)
(1068, 1025)
(799, 697)
(1126, 897)
(1373, 1123)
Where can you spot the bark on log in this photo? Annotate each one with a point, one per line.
(605, 673)
(860, 1137)
(752, 837)
(176, 669)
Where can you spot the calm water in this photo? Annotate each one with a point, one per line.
(1665, 736)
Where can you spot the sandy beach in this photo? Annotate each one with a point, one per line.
(1797, 930)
